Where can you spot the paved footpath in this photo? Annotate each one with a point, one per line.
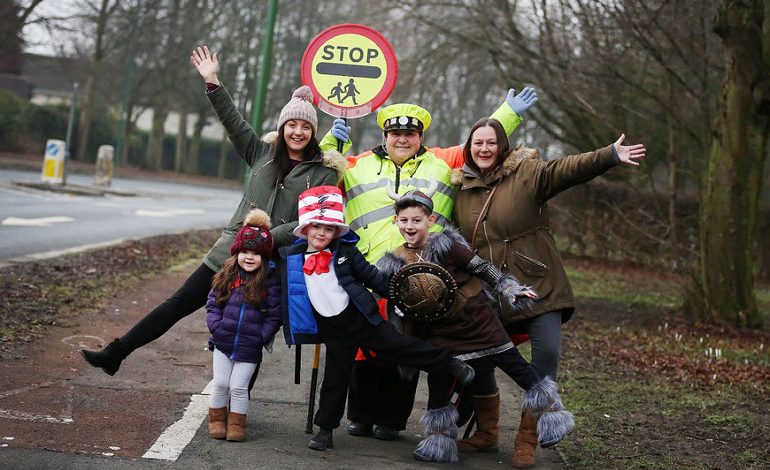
(57, 412)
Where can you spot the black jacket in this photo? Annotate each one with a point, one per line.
(354, 275)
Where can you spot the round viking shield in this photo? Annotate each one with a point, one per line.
(425, 292)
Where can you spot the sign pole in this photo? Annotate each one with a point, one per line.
(258, 109)
(351, 70)
(70, 126)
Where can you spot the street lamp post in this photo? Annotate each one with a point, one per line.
(258, 109)
(70, 126)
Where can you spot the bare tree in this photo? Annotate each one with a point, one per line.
(100, 16)
(733, 179)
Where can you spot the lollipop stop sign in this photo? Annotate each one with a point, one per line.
(351, 69)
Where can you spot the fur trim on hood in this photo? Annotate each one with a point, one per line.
(516, 155)
(511, 161)
(334, 160)
(331, 159)
(270, 137)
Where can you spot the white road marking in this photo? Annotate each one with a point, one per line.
(55, 253)
(80, 341)
(65, 418)
(24, 389)
(175, 438)
(167, 212)
(38, 222)
(24, 416)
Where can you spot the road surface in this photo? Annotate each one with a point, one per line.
(36, 221)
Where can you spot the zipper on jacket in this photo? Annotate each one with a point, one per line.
(533, 260)
(238, 330)
(398, 177)
(489, 243)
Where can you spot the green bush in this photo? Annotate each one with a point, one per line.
(11, 108)
(41, 123)
(137, 146)
(103, 131)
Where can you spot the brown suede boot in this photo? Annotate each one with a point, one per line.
(217, 423)
(236, 426)
(486, 437)
(526, 442)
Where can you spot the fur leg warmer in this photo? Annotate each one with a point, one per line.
(553, 421)
(439, 444)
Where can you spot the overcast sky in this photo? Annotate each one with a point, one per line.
(38, 40)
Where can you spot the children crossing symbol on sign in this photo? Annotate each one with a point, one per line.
(350, 91)
(336, 92)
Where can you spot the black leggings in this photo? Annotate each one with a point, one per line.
(380, 394)
(189, 298)
(343, 334)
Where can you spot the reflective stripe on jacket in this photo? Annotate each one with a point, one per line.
(369, 210)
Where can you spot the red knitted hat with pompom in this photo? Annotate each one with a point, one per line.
(254, 235)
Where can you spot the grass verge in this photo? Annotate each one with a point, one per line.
(40, 294)
(650, 390)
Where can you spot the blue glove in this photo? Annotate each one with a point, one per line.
(523, 101)
(340, 130)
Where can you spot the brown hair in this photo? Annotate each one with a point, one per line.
(406, 203)
(502, 142)
(281, 155)
(252, 289)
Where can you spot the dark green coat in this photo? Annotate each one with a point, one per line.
(280, 202)
(516, 234)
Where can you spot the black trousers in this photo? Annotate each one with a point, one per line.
(381, 393)
(189, 298)
(510, 362)
(343, 334)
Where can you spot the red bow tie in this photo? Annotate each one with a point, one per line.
(317, 263)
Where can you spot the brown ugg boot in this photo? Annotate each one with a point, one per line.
(526, 442)
(217, 423)
(485, 439)
(236, 426)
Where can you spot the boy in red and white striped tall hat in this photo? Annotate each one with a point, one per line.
(326, 300)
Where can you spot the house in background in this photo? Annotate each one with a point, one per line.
(47, 80)
(51, 79)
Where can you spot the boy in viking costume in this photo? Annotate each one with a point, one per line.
(462, 320)
(381, 395)
(324, 286)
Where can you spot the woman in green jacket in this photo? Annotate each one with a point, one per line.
(501, 209)
(283, 164)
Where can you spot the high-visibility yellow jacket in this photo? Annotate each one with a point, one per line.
(369, 210)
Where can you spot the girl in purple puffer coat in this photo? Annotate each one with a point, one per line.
(243, 315)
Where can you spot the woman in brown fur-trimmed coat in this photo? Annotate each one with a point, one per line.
(501, 209)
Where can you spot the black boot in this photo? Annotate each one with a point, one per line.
(322, 441)
(463, 372)
(359, 429)
(108, 359)
(385, 433)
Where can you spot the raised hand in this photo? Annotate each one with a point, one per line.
(523, 101)
(206, 63)
(340, 130)
(629, 154)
